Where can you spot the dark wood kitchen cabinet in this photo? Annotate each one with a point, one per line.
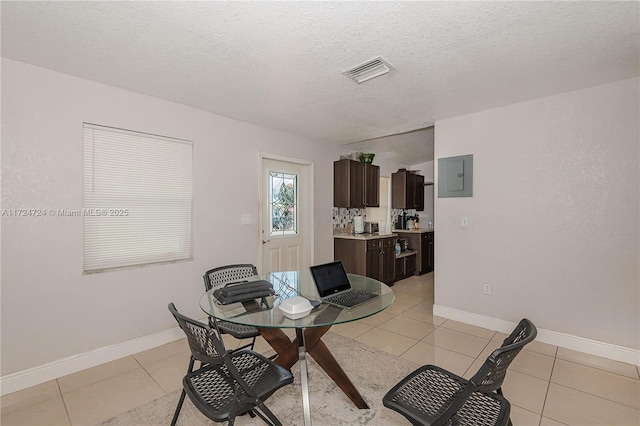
(407, 190)
(387, 256)
(422, 243)
(355, 184)
(426, 262)
(405, 265)
(373, 258)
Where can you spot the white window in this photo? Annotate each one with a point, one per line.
(137, 198)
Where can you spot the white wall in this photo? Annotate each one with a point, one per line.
(382, 213)
(50, 310)
(554, 214)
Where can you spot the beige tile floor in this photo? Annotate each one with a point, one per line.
(546, 385)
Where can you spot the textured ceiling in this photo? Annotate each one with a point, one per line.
(279, 64)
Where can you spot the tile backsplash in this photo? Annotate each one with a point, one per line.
(342, 216)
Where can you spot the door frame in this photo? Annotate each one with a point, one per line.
(309, 222)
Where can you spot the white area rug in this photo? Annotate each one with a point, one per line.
(373, 372)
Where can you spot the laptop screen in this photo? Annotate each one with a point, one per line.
(330, 278)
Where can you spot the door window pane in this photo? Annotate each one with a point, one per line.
(283, 204)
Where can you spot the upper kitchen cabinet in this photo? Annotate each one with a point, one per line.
(407, 190)
(355, 184)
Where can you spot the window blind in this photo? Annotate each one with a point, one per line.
(137, 198)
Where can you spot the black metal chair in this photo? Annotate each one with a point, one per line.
(218, 277)
(433, 396)
(227, 384)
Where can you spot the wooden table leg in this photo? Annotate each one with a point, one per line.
(325, 359)
(288, 356)
(287, 350)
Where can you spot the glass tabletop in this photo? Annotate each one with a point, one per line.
(265, 312)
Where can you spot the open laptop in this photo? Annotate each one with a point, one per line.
(334, 287)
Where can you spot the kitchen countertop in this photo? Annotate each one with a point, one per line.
(415, 231)
(362, 236)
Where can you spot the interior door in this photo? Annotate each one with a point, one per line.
(286, 215)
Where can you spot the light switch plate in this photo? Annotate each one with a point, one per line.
(246, 219)
(464, 221)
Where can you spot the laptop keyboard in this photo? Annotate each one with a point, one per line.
(344, 298)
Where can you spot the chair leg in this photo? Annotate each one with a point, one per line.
(183, 394)
(273, 420)
(248, 345)
(178, 408)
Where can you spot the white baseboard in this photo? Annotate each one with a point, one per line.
(62, 367)
(568, 341)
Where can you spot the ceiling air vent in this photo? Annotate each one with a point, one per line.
(367, 70)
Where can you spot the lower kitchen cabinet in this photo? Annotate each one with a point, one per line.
(426, 241)
(388, 260)
(405, 265)
(373, 257)
(422, 243)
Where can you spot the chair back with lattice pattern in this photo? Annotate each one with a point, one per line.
(492, 373)
(217, 277)
(205, 344)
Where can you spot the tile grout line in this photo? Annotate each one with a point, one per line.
(64, 403)
(377, 327)
(595, 396)
(584, 391)
(150, 375)
(125, 372)
(546, 394)
(603, 369)
(120, 374)
(420, 340)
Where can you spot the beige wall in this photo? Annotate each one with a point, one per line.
(50, 310)
(426, 169)
(554, 214)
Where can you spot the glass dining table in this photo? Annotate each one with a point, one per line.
(265, 315)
